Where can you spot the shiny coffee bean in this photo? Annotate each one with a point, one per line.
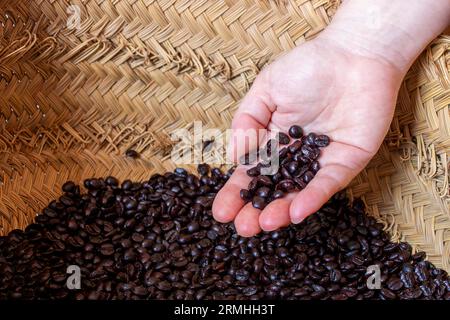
(295, 131)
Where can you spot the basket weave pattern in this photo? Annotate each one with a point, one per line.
(72, 100)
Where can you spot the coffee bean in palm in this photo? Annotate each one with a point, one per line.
(315, 166)
(263, 192)
(264, 181)
(258, 202)
(307, 151)
(292, 167)
(310, 139)
(295, 146)
(308, 176)
(253, 172)
(322, 140)
(286, 185)
(283, 138)
(245, 195)
(295, 131)
(277, 194)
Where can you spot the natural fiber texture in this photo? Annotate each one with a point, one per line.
(73, 100)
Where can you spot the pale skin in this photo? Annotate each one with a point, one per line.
(344, 83)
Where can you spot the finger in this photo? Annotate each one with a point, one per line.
(253, 115)
(276, 214)
(340, 164)
(228, 201)
(247, 221)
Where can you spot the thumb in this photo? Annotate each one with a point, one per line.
(251, 119)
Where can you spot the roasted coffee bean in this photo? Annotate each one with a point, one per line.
(69, 187)
(308, 176)
(112, 181)
(258, 202)
(285, 185)
(335, 275)
(394, 284)
(253, 172)
(322, 141)
(263, 192)
(264, 181)
(107, 249)
(294, 147)
(245, 195)
(310, 139)
(307, 151)
(277, 194)
(132, 153)
(283, 138)
(315, 166)
(295, 131)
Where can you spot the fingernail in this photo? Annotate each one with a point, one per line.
(297, 220)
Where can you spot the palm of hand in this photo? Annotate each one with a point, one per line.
(325, 90)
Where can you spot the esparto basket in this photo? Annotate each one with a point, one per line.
(73, 99)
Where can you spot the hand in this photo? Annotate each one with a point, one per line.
(326, 89)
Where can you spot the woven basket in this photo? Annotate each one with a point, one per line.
(72, 100)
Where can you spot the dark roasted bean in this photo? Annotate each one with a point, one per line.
(322, 140)
(253, 172)
(277, 194)
(283, 138)
(295, 131)
(132, 153)
(107, 249)
(245, 195)
(394, 284)
(263, 192)
(258, 202)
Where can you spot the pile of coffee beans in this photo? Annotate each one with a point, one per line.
(298, 164)
(158, 240)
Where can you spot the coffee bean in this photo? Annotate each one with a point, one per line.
(394, 284)
(335, 275)
(277, 194)
(203, 169)
(295, 131)
(294, 147)
(285, 185)
(388, 294)
(308, 176)
(322, 141)
(253, 172)
(283, 138)
(263, 192)
(310, 139)
(245, 195)
(69, 187)
(193, 227)
(258, 202)
(264, 181)
(107, 249)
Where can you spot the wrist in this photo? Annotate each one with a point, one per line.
(392, 32)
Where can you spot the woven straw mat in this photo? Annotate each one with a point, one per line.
(73, 100)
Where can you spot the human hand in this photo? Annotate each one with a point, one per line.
(343, 84)
(325, 89)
